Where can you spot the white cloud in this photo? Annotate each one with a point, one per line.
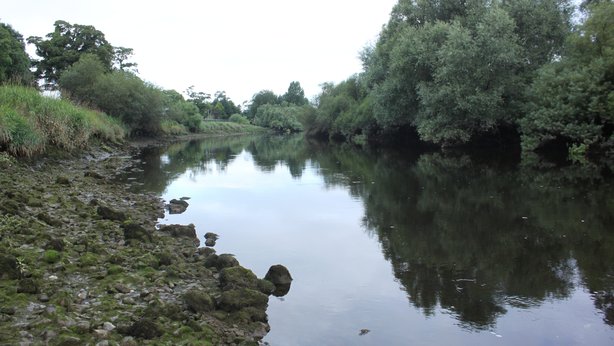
(239, 46)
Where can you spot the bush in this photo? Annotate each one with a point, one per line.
(279, 118)
(239, 119)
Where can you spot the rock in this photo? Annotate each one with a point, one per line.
(206, 251)
(121, 288)
(55, 244)
(188, 231)
(108, 326)
(9, 267)
(165, 259)
(226, 261)
(237, 277)
(110, 214)
(235, 300)
(266, 287)
(62, 180)
(48, 219)
(43, 298)
(8, 310)
(198, 301)
(278, 275)
(27, 286)
(93, 174)
(177, 206)
(211, 235)
(145, 328)
(69, 341)
(137, 232)
(210, 242)
(101, 333)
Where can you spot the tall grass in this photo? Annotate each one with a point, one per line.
(29, 122)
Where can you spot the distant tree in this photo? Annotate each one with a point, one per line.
(200, 99)
(121, 55)
(64, 46)
(14, 61)
(263, 97)
(283, 119)
(177, 109)
(222, 106)
(295, 94)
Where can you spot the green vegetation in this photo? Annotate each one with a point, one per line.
(227, 128)
(455, 72)
(14, 61)
(29, 122)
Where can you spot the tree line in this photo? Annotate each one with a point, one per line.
(78, 61)
(457, 72)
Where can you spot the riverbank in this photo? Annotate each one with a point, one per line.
(83, 262)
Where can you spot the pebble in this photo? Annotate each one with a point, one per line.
(108, 326)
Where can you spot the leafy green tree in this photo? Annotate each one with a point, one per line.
(121, 55)
(79, 80)
(573, 99)
(177, 109)
(14, 61)
(222, 106)
(263, 97)
(64, 46)
(295, 94)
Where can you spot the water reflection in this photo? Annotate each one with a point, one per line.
(475, 238)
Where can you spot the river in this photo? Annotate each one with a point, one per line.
(392, 247)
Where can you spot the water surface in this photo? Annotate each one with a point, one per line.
(410, 248)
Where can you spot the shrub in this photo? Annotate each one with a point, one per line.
(239, 119)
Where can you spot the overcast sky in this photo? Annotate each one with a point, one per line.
(240, 46)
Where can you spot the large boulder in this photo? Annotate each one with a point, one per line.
(237, 277)
(110, 214)
(198, 301)
(280, 277)
(222, 261)
(186, 231)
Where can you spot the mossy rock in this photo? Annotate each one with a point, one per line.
(198, 301)
(134, 231)
(110, 214)
(88, 259)
(55, 244)
(238, 277)
(10, 207)
(114, 269)
(185, 231)
(266, 286)
(237, 299)
(165, 259)
(226, 261)
(62, 180)
(9, 267)
(51, 256)
(145, 328)
(27, 285)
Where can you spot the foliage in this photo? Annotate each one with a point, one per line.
(136, 103)
(78, 82)
(173, 128)
(222, 107)
(14, 61)
(263, 97)
(295, 94)
(29, 122)
(121, 55)
(64, 46)
(183, 112)
(452, 70)
(227, 128)
(279, 118)
(239, 119)
(573, 99)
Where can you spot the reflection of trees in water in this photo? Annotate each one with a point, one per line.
(469, 237)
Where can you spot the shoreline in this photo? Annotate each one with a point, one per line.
(82, 261)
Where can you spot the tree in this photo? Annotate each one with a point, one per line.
(121, 55)
(200, 99)
(14, 61)
(283, 119)
(222, 106)
(295, 94)
(263, 97)
(573, 99)
(79, 80)
(64, 46)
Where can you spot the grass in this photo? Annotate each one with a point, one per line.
(228, 128)
(30, 122)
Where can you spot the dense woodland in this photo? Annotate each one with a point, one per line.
(530, 74)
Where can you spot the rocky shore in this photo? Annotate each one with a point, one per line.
(82, 262)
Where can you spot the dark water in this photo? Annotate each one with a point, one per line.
(420, 249)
